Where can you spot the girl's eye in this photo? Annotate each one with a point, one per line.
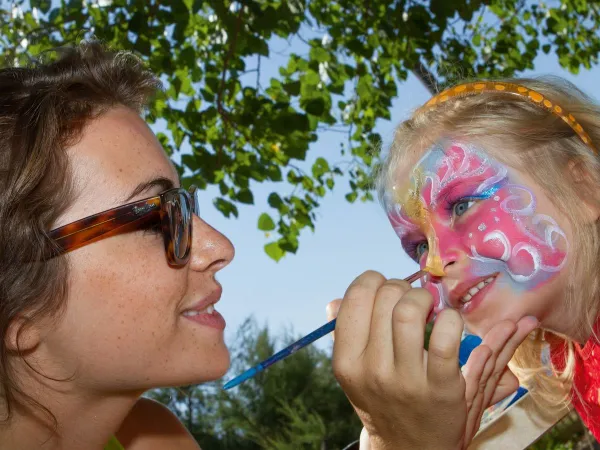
(421, 249)
(461, 207)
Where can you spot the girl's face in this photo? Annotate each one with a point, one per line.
(499, 241)
(124, 328)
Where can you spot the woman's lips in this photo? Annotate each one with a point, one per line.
(213, 319)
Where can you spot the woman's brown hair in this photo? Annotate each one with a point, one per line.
(43, 111)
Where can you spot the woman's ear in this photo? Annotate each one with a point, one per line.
(22, 336)
(586, 188)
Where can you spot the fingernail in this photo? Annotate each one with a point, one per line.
(332, 310)
(535, 319)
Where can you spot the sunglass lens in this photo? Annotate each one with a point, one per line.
(180, 225)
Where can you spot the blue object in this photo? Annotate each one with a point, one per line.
(467, 345)
(300, 343)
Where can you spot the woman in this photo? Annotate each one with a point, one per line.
(105, 292)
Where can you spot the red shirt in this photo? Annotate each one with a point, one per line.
(586, 380)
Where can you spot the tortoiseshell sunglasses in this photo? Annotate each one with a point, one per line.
(172, 210)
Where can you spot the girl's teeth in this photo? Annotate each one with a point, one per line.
(475, 289)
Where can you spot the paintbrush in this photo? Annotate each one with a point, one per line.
(300, 343)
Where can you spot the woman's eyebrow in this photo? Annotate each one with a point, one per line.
(162, 182)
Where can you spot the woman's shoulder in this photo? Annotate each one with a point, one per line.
(151, 425)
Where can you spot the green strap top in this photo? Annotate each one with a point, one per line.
(113, 444)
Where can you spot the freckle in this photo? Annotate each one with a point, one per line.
(496, 220)
(496, 198)
(481, 227)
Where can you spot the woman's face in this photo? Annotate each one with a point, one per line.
(123, 327)
(500, 242)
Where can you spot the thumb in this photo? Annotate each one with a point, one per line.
(332, 310)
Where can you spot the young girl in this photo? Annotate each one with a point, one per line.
(494, 187)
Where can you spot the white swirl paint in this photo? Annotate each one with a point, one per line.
(526, 210)
(500, 237)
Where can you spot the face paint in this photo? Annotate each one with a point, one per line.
(499, 233)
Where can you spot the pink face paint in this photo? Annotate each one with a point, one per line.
(502, 234)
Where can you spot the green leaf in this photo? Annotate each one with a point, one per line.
(314, 106)
(265, 223)
(274, 200)
(226, 207)
(319, 54)
(245, 196)
(42, 5)
(274, 251)
(320, 167)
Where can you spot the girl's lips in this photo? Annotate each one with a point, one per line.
(476, 300)
(213, 320)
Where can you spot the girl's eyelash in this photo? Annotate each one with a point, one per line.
(411, 249)
(449, 203)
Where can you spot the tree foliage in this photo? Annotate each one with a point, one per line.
(229, 127)
(295, 404)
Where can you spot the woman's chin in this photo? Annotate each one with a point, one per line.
(200, 371)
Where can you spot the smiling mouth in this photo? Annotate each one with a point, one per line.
(475, 289)
(208, 310)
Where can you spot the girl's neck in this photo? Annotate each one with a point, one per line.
(83, 421)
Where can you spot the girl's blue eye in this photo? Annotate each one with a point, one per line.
(420, 250)
(459, 208)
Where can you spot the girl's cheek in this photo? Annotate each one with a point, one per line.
(436, 290)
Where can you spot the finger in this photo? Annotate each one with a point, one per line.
(477, 382)
(475, 387)
(524, 327)
(473, 370)
(380, 348)
(408, 329)
(354, 316)
(507, 385)
(506, 352)
(444, 343)
(331, 310)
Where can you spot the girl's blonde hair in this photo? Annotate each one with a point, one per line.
(529, 138)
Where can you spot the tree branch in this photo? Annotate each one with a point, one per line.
(230, 53)
(426, 77)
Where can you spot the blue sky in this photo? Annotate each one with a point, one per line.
(349, 238)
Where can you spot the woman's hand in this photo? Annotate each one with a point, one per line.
(405, 396)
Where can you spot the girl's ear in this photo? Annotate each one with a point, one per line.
(586, 187)
(22, 336)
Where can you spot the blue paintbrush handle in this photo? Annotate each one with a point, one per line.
(300, 343)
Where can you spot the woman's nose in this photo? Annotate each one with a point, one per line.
(211, 250)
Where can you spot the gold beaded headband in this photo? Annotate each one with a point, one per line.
(467, 89)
